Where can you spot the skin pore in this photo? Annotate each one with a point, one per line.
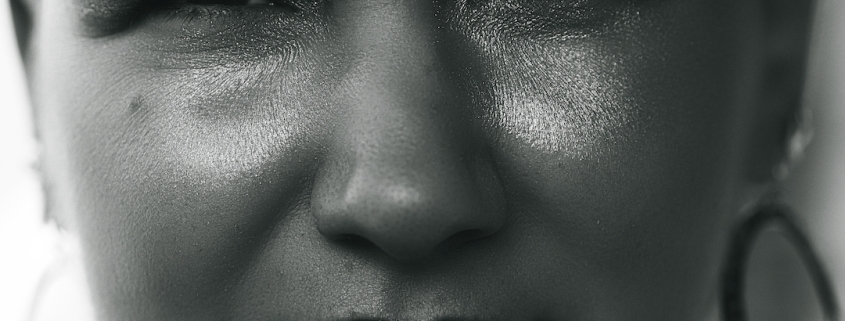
(410, 159)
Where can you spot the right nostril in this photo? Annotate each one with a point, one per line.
(467, 236)
(354, 240)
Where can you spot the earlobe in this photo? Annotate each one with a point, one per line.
(798, 134)
(22, 18)
(782, 126)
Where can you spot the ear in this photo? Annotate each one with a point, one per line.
(22, 18)
(780, 119)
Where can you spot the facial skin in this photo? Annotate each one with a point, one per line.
(410, 160)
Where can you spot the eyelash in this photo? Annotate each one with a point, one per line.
(284, 4)
(189, 10)
(118, 16)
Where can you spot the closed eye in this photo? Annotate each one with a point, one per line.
(279, 3)
(108, 17)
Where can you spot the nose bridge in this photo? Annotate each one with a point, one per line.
(402, 105)
(394, 51)
(403, 111)
(402, 171)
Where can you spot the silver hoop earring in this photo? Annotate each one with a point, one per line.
(733, 273)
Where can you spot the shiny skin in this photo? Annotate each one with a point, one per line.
(402, 160)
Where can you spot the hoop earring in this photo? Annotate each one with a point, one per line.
(733, 274)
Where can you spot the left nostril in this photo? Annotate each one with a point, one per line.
(354, 240)
(467, 236)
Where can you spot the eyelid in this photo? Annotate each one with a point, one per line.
(100, 18)
(205, 36)
(104, 17)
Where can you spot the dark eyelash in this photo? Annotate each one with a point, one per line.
(189, 10)
(286, 4)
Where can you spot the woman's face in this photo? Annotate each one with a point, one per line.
(400, 160)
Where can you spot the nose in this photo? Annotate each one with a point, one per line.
(406, 168)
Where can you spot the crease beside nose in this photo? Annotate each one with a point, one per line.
(404, 170)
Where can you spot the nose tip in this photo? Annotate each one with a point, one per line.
(406, 217)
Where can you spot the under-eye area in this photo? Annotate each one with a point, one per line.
(537, 20)
(262, 27)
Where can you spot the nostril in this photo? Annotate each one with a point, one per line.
(353, 240)
(466, 236)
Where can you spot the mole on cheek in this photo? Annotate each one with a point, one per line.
(135, 104)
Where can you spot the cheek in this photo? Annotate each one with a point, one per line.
(626, 149)
(177, 175)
